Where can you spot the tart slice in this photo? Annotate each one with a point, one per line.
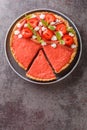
(59, 57)
(40, 69)
(23, 50)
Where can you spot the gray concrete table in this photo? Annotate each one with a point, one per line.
(60, 106)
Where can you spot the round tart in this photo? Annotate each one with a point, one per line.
(44, 44)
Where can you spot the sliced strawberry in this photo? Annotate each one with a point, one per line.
(50, 18)
(68, 40)
(47, 34)
(61, 27)
(27, 33)
(40, 31)
(33, 22)
(22, 24)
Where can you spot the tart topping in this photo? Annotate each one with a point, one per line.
(54, 38)
(18, 25)
(73, 46)
(53, 45)
(52, 23)
(70, 30)
(33, 16)
(68, 40)
(26, 33)
(47, 34)
(43, 28)
(50, 17)
(34, 37)
(42, 16)
(16, 32)
(62, 42)
(52, 27)
(40, 24)
(25, 25)
(43, 43)
(22, 24)
(58, 21)
(46, 27)
(71, 34)
(20, 36)
(44, 23)
(33, 22)
(59, 35)
(36, 28)
(61, 27)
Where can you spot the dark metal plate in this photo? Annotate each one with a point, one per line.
(22, 73)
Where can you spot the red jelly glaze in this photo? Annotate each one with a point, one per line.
(58, 56)
(40, 68)
(24, 50)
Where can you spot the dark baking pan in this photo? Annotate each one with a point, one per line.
(22, 73)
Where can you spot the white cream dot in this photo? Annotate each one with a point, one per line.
(43, 28)
(61, 33)
(43, 43)
(40, 24)
(25, 25)
(42, 16)
(18, 25)
(71, 34)
(52, 23)
(54, 38)
(53, 45)
(34, 37)
(73, 46)
(36, 28)
(20, 36)
(33, 16)
(16, 32)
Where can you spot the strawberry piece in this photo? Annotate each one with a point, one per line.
(27, 33)
(50, 18)
(68, 40)
(47, 34)
(61, 27)
(33, 22)
(22, 24)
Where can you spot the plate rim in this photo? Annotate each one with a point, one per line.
(80, 42)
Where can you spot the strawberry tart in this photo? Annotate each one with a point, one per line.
(43, 44)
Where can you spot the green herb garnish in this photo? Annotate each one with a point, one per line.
(38, 37)
(71, 30)
(62, 42)
(58, 35)
(30, 27)
(44, 22)
(34, 32)
(27, 16)
(51, 27)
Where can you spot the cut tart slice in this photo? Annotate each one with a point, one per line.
(40, 69)
(59, 57)
(23, 50)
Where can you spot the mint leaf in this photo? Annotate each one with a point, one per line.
(51, 27)
(30, 27)
(70, 29)
(41, 41)
(34, 32)
(38, 38)
(58, 35)
(62, 42)
(27, 16)
(44, 22)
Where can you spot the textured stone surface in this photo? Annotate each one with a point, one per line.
(60, 106)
